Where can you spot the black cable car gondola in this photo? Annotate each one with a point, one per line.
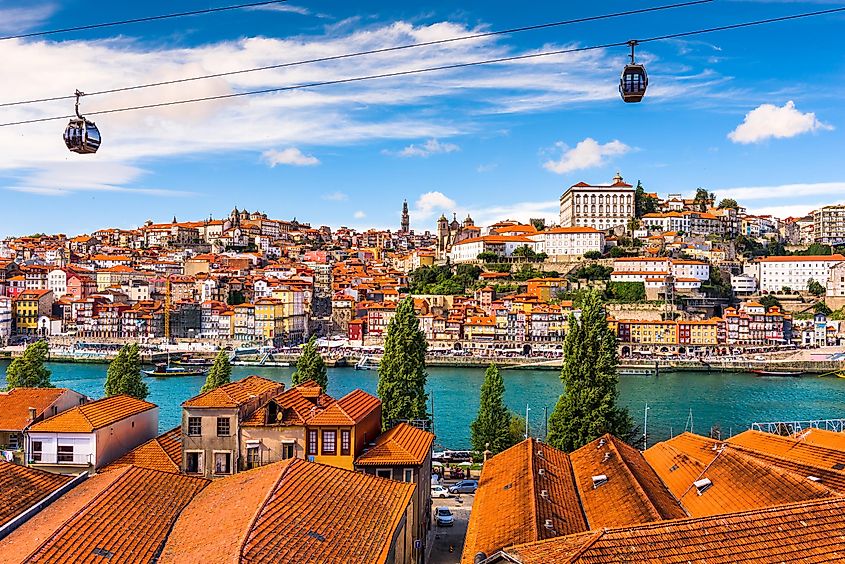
(634, 80)
(82, 135)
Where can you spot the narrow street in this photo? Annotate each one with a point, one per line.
(446, 538)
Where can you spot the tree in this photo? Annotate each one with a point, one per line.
(402, 376)
(821, 307)
(592, 255)
(220, 373)
(815, 288)
(492, 425)
(516, 430)
(728, 203)
(236, 297)
(643, 203)
(769, 301)
(703, 198)
(616, 252)
(627, 292)
(124, 374)
(587, 408)
(28, 370)
(310, 365)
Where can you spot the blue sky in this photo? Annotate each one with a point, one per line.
(755, 114)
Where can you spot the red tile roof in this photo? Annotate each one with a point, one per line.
(23, 487)
(162, 453)
(94, 415)
(126, 513)
(291, 511)
(294, 406)
(802, 532)
(235, 393)
(402, 445)
(15, 404)
(348, 410)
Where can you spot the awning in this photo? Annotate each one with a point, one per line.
(289, 441)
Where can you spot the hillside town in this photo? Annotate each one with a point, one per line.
(687, 277)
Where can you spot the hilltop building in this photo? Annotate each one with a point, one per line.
(600, 206)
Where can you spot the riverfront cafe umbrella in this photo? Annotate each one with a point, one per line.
(465, 464)
(437, 464)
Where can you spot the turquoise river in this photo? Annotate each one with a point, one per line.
(730, 400)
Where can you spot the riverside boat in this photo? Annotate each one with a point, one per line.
(778, 373)
(367, 363)
(167, 371)
(192, 361)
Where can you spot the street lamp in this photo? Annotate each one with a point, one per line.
(527, 432)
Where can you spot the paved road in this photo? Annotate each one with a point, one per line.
(446, 537)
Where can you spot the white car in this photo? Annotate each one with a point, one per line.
(444, 517)
(440, 491)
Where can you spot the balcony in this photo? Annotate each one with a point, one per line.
(70, 459)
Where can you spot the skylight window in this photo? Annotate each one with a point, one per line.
(702, 485)
(599, 480)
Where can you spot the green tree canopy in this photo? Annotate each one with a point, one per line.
(28, 370)
(703, 198)
(643, 203)
(124, 374)
(492, 424)
(769, 300)
(310, 366)
(821, 307)
(402, 376)
(815, 288)
(587, 408)
(220, 373)
(592, 255)
(728, 203)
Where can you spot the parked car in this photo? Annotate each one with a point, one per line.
(440, 491)
(444, 517)
(464, 486)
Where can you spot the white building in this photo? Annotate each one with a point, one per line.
(5, 320)
(502, 245)
(569, 241)
(829, 225)
(678, 268)
(90, 436)
(57, 281)
(601, 207)
(836, 281)
(795, 272)
(743, 284)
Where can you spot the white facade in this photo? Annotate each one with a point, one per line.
(666, 222)
(57, 281)
(570, 241)
(5, 320)
(795, 272)
(598, 206)
(664, 266)
(836, 281)
(502, 245)
(743, 284)
(829, 225)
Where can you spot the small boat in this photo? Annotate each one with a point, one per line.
(245, 350)
(193, 361)
(636, 372)
(366, 364)
(165, 371)
(780, 373)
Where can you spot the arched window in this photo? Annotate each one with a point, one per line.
(593, 209)
(601, 209)
(577, 209)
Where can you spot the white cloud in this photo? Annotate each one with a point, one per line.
(786, 191)
(16, 20)
(285, 7)
(430, 147)
(588, 153)
(335, 197)
(430, 203)
(360, 214)
(290, 156)
(767, 121)
(482, 168)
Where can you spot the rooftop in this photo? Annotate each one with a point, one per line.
(95, 415)
(15, 404)
(348, 410)
(234, 394)
(402, 445)
(162, 453)
(23, 487)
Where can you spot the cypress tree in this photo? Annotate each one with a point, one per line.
(402, 376)
(492, 425)
(587, 409)
(310, 366)
(28, 370)
(124, 374)
(220, 373)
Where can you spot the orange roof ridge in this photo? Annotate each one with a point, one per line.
(611, 440)
(259, 508)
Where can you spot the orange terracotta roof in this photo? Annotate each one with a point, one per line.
(161, 453)
(402, 445)
(801, 532)
(293, 407)
(129, 519)
(23, 487)
(822, 438)
(15, 404)
(234, 394)
(348, 410)
(791, 449)
(94, 415)
(509, 507)
(291, 511)
(815, 258)
(632, 493)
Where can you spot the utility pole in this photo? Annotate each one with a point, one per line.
(527, 431)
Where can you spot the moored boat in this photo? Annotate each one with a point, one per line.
(781, 373)
(166, 371)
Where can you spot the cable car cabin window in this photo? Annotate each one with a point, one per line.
(82, 136)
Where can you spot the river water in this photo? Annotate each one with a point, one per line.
(730, 400)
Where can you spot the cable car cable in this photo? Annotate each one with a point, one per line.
(438, 68)
(141, 20)
(371, 52)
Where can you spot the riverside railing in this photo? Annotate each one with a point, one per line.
(795, 427)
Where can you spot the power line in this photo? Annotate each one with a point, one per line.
(141, 20)
(371, 52)
(438, 68)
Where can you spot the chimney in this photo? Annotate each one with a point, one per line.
(33, 413)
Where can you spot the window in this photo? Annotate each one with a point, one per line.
(344, 443)
(65, 453)
(222, 462)
(37, 447)
(312, 442)
(194, 426)
(384, 473)
(223, 427)
(329, 442)
(193, 462)
(408, 475)
(253, 456)
(13, 441)
(287, 451)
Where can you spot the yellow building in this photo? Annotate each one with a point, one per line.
(30, 305)
(648, 332)
(340, 432)
(269, 318)
(480, 328)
